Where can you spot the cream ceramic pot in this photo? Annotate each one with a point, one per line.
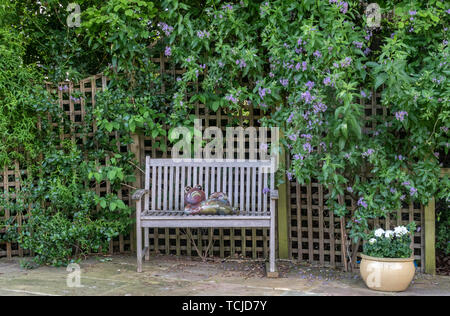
(387, 274)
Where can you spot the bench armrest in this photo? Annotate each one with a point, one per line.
(138, 194)
(274, 194)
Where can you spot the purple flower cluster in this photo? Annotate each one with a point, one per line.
(263, 91)
(310, 85)
(400, 116)
(293, 137)
(75, 99)
(284, 82)
(307, 147)
(358, 44)
(298, 157)
(202, 34)
(367, 153)
(319, 107)
(241, 63)
(168, 51)
(342, 5)
(307, 97)
(266, 190)
(362, 203)
(63, 88)
(231, 98)
(291, 116)
(166, 28)
(327, 81)
(347, 61)
(317, 54)
(227, 7)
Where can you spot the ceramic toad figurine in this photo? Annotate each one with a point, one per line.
(196, 203)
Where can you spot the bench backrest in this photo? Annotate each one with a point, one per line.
(244, 181)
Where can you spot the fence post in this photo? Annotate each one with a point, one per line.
(430, 251)
(135, 148)
(283, 241)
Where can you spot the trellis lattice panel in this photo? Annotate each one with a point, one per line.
(10, 182)
(315, 232)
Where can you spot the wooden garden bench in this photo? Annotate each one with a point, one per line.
(243, 181)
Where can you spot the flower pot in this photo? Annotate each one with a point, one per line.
(387, 274)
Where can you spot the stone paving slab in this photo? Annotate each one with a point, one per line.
(170, 275)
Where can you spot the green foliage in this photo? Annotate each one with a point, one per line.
(390, 244)
(311, 64)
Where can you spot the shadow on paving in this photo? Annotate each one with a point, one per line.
(169, 275)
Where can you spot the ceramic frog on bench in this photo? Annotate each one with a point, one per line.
(196, 203)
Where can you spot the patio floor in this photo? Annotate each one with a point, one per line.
(169, 275)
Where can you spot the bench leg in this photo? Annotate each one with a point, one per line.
(146, 244)
(272, 269)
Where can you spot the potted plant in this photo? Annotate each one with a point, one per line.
(387, 262)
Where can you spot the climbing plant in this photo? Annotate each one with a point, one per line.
(307, 64)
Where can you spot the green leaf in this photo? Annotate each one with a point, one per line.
(380, 79)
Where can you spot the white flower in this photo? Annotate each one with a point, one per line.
(372, 241)
(379, 232)
(400, 230)
(389, 233)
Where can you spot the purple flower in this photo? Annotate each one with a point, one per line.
(310, 85)
(166, 28)
(168, 51)
(347, 61)
(307, 147)
(363, 94)
(293, 137)
(304, 66)
(400, 116)
(231, 98)
(317, 54)
(284, 82)
(412, 191)
(241, 63)
(327, 81)
(406, 183)
(393, 190)
(307, 97)
(361, 202)
(350, 189)
(266, 190)
(319, 107)
(358, 44)
(289, 175)
(263, 146)
(291, 116)
(228, 7)
(412, 12)
(367, 153)
(298, 157)
(262, 92)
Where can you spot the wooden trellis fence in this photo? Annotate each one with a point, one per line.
(307, 230)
